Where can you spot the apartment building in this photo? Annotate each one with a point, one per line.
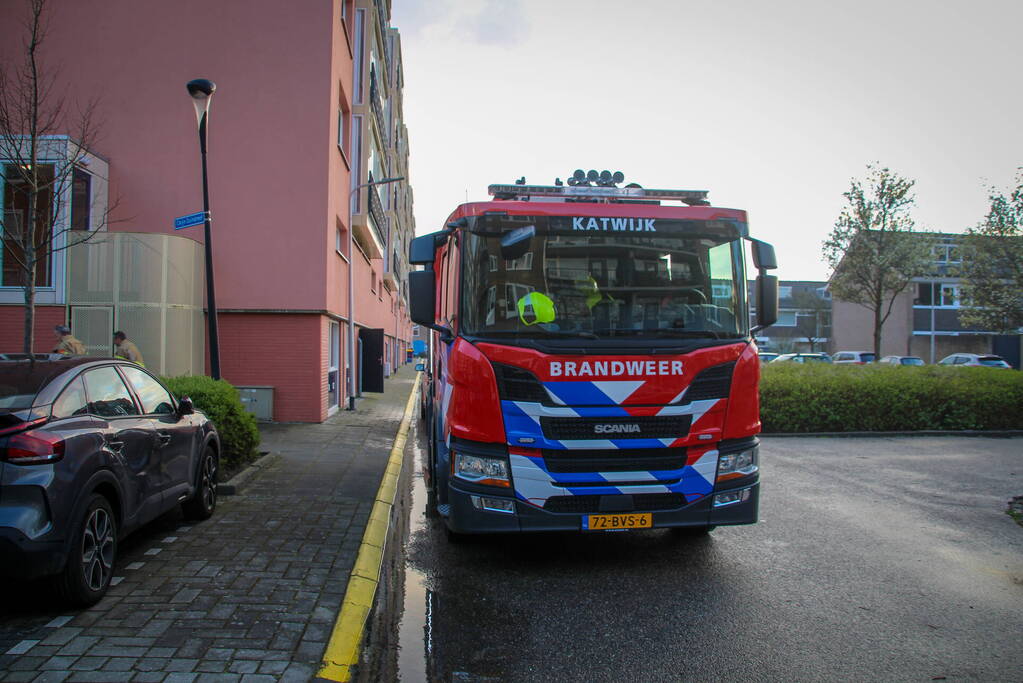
(309, 257)
(804, 317)
(925, 318)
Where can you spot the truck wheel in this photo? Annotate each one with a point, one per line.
(90, 562)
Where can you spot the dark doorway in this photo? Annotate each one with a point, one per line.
(1007, 346)
(372, 359)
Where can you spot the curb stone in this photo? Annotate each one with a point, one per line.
(238, 482)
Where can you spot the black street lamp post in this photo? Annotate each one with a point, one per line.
(202, 91)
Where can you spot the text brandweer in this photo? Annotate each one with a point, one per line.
(614, 368)
(614, 224)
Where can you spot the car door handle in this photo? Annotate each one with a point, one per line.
(163, 438)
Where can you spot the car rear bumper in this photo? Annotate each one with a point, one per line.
(466, 518)
(24, 558)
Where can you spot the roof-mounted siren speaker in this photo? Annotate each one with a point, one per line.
(592, 176)
(618, 177)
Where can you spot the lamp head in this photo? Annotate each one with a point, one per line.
(201, 90)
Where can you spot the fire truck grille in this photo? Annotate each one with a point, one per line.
(643, 502)
(614, 460)
(714, 382)
(516, 384)
(644, 427)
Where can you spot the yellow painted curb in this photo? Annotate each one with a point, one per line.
(343, 649)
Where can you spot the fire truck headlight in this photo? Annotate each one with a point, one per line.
(731, 465)
(480, 469)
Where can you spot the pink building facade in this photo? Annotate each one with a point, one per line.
(281, 172)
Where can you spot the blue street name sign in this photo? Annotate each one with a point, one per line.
(190, 220)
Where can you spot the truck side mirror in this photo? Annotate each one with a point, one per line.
(763, 255)
(421, 250)
(767, 302)
(422, 290)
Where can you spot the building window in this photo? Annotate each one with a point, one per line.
(785, 292)
(14, 224)
(946, 252)
(786, 319)
(359, 61)
(524, 262)
(81, 200)
(925, 294)
(950, 296)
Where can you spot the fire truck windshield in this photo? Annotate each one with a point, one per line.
(603, 278)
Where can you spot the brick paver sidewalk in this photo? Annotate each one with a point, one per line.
(252, 593)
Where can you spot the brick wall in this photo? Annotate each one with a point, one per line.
(12, 328)
(287, 352)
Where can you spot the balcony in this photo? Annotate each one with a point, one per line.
(378, 108)
(366, 225)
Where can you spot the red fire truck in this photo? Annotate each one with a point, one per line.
(593, 364)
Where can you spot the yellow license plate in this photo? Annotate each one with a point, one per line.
(643, 520)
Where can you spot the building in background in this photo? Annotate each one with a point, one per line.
(804, 317)
(296, 124)
(925, 317)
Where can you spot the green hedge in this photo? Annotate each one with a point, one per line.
(221, 403)
(843, 398)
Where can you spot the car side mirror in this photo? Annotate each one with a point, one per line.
(185, 406)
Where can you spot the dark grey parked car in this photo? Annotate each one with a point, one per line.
(91, 449)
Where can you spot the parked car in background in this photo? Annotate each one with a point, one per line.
(91, 449)
(802, 358)
(975, 360)
(903, 360)
(854, 357)
(767, 356)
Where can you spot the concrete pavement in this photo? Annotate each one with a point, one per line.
(249, 595)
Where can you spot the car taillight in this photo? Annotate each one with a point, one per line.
(33, 448)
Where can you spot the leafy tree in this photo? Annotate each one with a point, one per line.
(873, 251)
(38, 164)
(992, 265)
(812, 317)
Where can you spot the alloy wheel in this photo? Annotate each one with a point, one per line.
(98, 545)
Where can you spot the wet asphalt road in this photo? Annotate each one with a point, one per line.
(875, 559)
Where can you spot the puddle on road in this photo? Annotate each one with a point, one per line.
(415, 630)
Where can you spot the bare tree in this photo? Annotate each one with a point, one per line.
(872, 250)
(44, 138)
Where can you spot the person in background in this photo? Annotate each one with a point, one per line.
(67, 345)
(125, 349)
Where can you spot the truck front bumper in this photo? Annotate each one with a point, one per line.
(466, 518)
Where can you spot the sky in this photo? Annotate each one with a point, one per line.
(771, 106)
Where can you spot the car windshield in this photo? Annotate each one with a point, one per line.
(601, 278)
(912, 361)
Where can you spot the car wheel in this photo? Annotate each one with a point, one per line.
(204, 501)
(90, 563)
